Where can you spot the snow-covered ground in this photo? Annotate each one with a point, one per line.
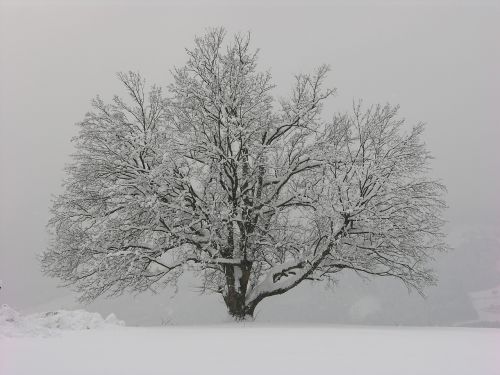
(255, 349)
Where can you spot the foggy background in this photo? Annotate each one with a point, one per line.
(438, 59)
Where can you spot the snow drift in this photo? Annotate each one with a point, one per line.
(13, 324)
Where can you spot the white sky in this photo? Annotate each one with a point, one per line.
(439, 60)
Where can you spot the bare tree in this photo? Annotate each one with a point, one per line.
(255, 195)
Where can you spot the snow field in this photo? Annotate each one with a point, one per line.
(256, 349)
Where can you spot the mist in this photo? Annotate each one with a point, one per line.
(438, 60)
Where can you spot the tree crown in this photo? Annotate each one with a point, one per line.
(254, 194)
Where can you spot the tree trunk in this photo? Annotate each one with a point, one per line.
(236, 306)
(237, 277)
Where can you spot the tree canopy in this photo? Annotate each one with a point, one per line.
(254, 194)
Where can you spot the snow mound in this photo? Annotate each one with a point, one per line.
(13, 324)
(487, 304)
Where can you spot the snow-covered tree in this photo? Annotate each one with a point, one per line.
(255, 195)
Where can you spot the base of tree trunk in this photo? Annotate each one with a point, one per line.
(242, 317)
